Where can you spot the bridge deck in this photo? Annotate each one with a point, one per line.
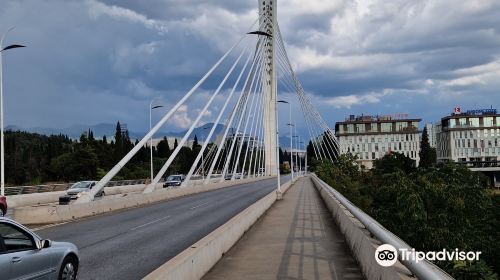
(296, 239)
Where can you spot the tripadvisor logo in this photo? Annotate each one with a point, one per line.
(387, 255)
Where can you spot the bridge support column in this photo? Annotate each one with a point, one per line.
(267, 12)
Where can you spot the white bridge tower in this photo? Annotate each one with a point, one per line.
(267, 15)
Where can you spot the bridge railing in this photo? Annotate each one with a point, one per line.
(62, 187)
(422, 269)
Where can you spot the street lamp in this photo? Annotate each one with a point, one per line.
(2, 155)
(151, 108)
(290, 124)
(297, 144)
(301, 143)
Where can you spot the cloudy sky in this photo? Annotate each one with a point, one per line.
(91, 61)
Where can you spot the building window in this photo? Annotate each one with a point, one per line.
(386, 127)
(374, 127)
(360, 128)
(452, 123)
(350, 128)
(462, 122)
(488, 121)
(401, 126)
(474, 122)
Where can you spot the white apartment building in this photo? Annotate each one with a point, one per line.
(372, 137)
(431, 132)
(471, 138)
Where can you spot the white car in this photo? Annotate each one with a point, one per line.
(75, 191)
(25, 255)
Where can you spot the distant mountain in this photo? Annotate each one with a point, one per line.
(99, 130)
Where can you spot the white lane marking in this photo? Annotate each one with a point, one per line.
(152, 222)
(199, 205)
(48, 226)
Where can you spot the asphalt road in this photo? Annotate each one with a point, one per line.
(132, 243)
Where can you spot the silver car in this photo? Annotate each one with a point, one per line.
(24, 255)
(75, 191)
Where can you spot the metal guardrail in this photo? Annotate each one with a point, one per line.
(479, 164)
(62, 187)
(422, 269)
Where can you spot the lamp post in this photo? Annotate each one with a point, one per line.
(290, 124)
(2, 150)
(296, 154)
(300, 162)
(151, 108)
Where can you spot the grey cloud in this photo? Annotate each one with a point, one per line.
(113, 61)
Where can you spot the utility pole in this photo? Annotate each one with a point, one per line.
(151, 108)
(2, 149)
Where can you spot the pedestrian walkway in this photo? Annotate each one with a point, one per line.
(296, 239)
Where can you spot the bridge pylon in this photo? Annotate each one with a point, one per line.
(267, 20)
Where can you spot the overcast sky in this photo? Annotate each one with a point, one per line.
(90, 62)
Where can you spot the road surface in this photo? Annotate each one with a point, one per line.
(132, 243)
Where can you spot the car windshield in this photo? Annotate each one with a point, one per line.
(174, 178)
(81, 185)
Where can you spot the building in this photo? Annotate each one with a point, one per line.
(372, 137)
(471, 138)
(431, 132)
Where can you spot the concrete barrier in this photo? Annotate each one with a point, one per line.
(358, 238)
(46, 214)
(35, 199)
(199, 258)
(31, 199)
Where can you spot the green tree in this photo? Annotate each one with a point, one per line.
(195, 142)
(427, 153)
(310, 151)
(393, 161)
(80, 164)
(163, 148)
(118, 147)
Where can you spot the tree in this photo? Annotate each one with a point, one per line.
(310, 150)
(195, 142)
(175, 144)
(392, 162)
(80, 164)
(163, 148)
(118, 147)
(427, 153)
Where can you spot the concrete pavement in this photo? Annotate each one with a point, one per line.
(296, 239)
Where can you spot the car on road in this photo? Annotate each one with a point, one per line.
(174, 180)
(3, 205)
(236, 176)
(25, 255)
(75, 191)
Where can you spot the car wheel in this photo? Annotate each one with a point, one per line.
(69, 269)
